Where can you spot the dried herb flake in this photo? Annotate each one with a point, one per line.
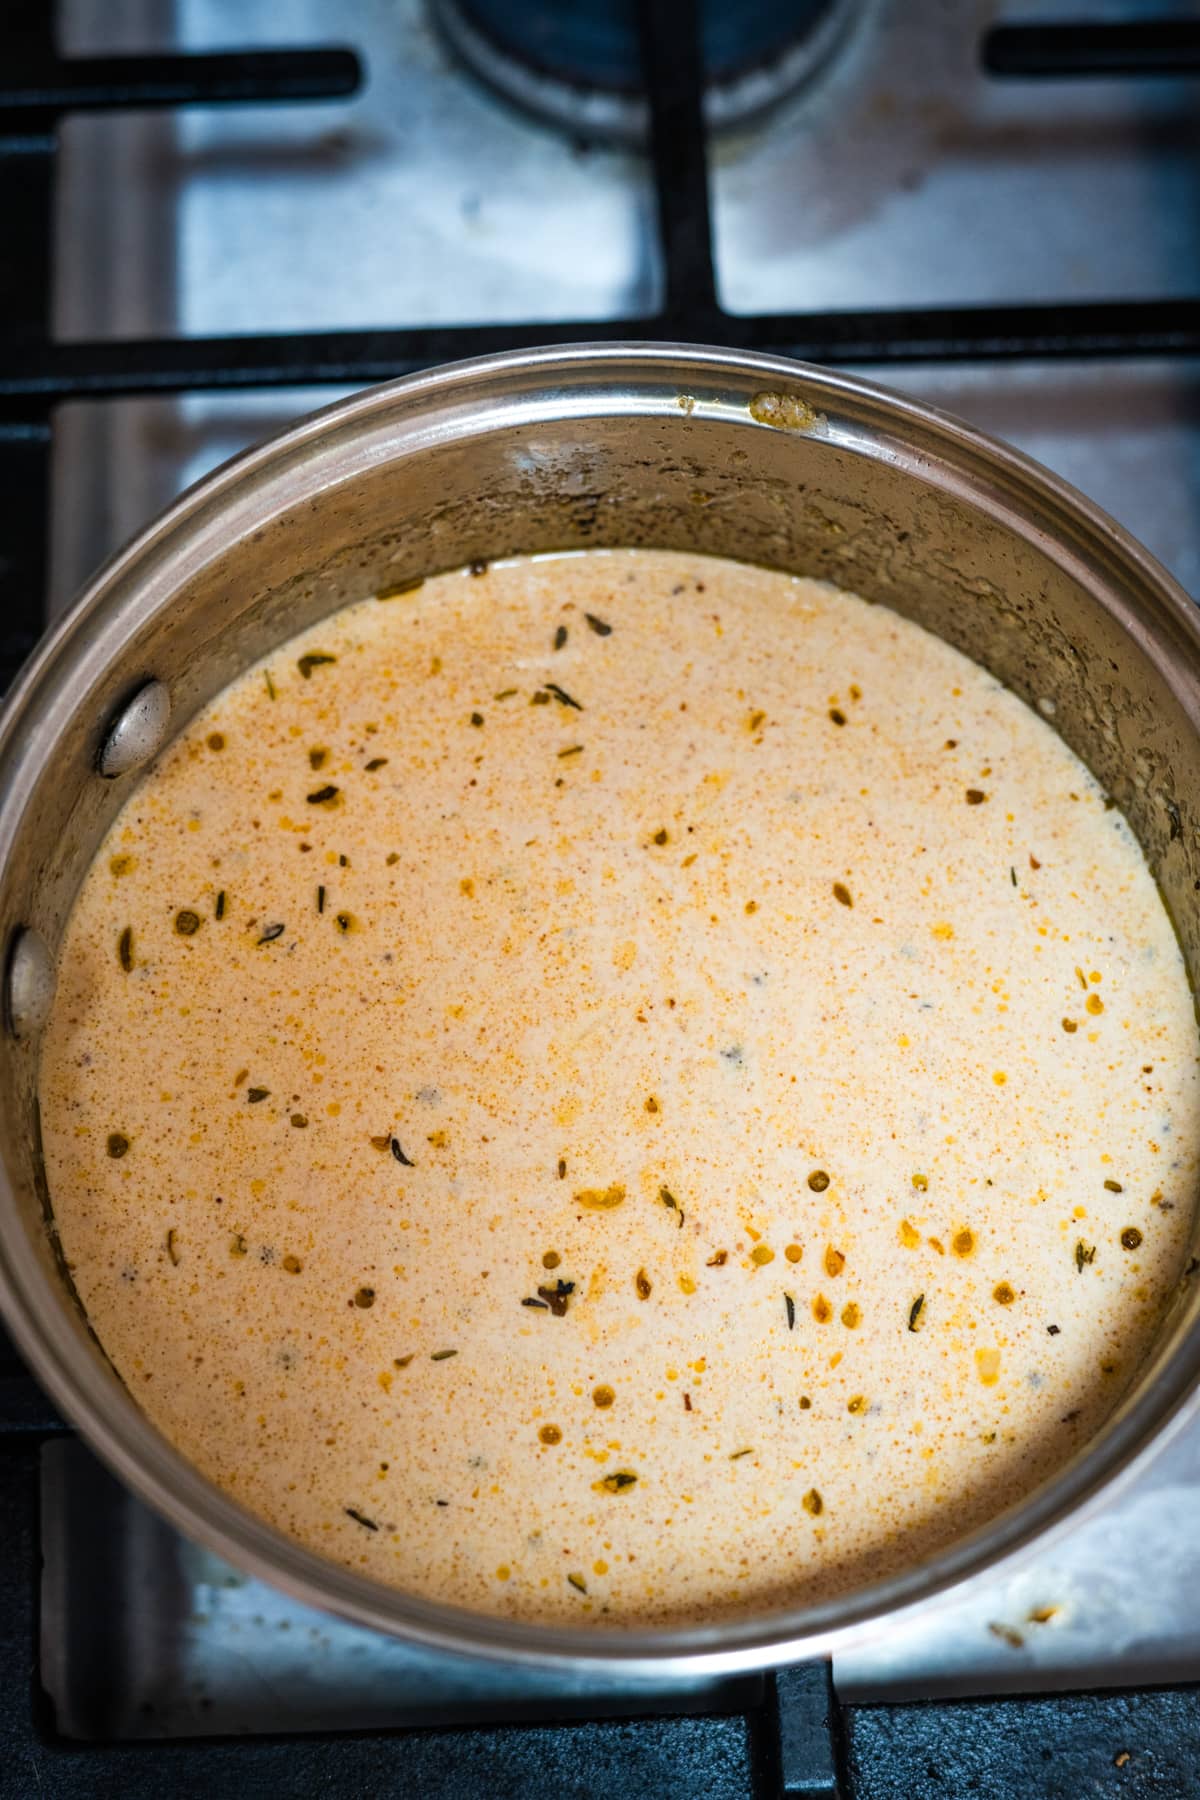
(399, 1155)
(617, 1483)
(790, 1308)
(914, 1313)
(671, 1203)
(271, 933)
(255, 1094)
(312, 660)
(125, 949)
(360, 1518)
(561, 695)
(323, 796)
(557, 1297)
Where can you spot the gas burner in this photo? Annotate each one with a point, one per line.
(578, 65)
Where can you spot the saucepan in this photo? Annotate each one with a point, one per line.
(744, 456)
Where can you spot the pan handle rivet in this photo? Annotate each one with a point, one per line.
(136, 732)
(29, 984)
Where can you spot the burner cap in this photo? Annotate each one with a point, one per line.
(577, 63)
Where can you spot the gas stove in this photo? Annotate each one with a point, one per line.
(215, 221)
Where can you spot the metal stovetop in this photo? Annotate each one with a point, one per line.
(906, 177)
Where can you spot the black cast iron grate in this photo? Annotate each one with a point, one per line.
(797, 1740)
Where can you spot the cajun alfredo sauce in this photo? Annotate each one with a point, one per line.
(622, 1086)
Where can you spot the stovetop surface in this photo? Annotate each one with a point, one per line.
(905, 176)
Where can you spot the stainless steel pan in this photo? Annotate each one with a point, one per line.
(742, 456)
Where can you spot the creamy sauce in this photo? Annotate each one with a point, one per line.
(622, 1087)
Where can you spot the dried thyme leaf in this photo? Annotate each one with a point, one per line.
(270, 684)
(668, 1199)
(323, 796)
(399, 1155)
(557, 1297)
(560, 637)
(914, 1313)
(271, 933)
(172, 1251)
(598, 625)
(1084, 1254)
(125, 949)
(617, 1483)
(540, 1304)
(321, 899)
(442, 1355)
(561, 695)
(735, 1455)
(790, 1308)
(641, 1282)
(578, 1583)
(313, 660)
(571, 750)
(401, 587)
(255, 1094)
(219, 908)
(376, 762)
(360, 1518)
